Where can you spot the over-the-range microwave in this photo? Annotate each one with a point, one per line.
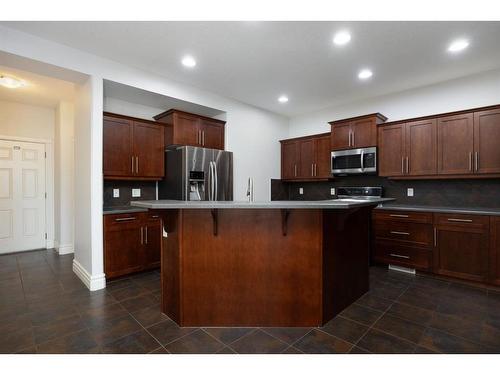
(354, 161)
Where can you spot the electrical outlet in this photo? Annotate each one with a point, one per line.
(136, 193)
(301, 191)
(116, 193)
(332, 191)
(410, 192)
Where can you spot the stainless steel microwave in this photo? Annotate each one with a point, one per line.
(354, 161)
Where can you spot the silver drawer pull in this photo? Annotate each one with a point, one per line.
(461, 220)
(401, 233)
(155, 216)
(125, 219)
(399, 215)
(399, 256)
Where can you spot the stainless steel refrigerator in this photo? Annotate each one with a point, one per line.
(196, 173)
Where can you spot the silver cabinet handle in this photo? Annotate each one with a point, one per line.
(349, 138)
(315, 169)
(353, 139)
(203, 137)
(401, 233)
(398, 215)
(146, 228)
(295, 170)
(312, 169)
(477, 161)
(470, 161)
(362, 160)
(402, 165)
(460, 220)
(132, 168)
(137, 164)
(125, 219)
(142, 236)
(435, 237)
(155, 216)
(407, 165)
(399, 256)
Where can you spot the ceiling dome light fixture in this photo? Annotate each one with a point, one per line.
(188, 61)
(365, 74)
(11, 82)
(458, 45)
(283, 99)
(341, 38)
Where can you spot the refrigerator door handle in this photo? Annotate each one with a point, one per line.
(216, 181)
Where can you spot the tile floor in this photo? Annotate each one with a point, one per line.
(44, 308)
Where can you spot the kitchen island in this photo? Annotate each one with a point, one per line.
(279, 263)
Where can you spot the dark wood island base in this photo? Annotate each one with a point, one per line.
(263, 267)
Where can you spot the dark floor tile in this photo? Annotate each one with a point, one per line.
(411, 313)
(58, 328)
(119, 284)
(198, 342)
(258, 342)
(14, 323)
(140, 342)
(318, 342)
(443, 342)
(421, 350)
(374, 302)
(420, 297)
(138, 303)
(229, 334)
(168, 331)
(149, 316)
(114, 329)
(386, 290)
(376, 341)
(17, 340)
(226, 350)
(160, 350)
(345, 329)
(86, 300)
(361, 314)
(287, 334)
(128, 292)
(98, 316)
(30, 350)
(431, 284)
(43, 312)
(291, 350)
(358, 350)
(76, 343)
(400, 327)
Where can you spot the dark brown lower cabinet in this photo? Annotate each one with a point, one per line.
(495, 250)
(132, 243)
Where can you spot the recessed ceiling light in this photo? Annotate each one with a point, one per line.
(458, 45)
(189, 61)
(341, 38)
(283, 99)
(365, 74)
(11, 82)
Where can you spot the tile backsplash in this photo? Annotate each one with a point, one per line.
(457, 193)
(148, 192)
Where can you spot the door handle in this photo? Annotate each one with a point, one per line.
(362, 160)
(435, 237)
(132, 168)
(295, 169)
(142, 236)
(407, 165)
(477, 161)
(397, 215)
(402, 165)
(137, 164)
(353, 139)
(315, 169)
(203, 137)
(312, 169)
(349, 139)
(399, 256)
(125, 219)
(146, 230)
(460, 220)
(401, 233)
(470, 161)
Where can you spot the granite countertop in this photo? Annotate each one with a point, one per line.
(326, 204)
(442, 209)
(122, 210)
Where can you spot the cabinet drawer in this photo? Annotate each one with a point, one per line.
(392, 253)
(113, 222)
(416, 234)
(469, 221)
(403, 216)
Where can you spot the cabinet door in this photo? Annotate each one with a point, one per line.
(364, 133)
(322, 149)
(186, 130)
(117, 147)
(289, 160)
(486, 137)
(462, 250)
(152, 242)
(306, 168)
(421, 147)
(212, 134)
(391, 141)
(123, 245)
(495, 250)
(455, 144)
(341, 138)
(149, 150)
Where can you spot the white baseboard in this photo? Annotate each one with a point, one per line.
(65, 249)
(92, 282)
(50, 244)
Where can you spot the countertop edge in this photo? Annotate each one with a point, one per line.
(441, 209)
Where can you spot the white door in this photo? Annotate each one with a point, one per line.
(22, 196)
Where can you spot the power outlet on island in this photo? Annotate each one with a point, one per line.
(116, 193)
(301, 191)
(410, 192)
(136, 193)
(332, 191)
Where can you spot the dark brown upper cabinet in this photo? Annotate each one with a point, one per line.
(187, 129)
(391, 146)
(456, 144)
(306, 158)
(356, 132)
(486, 141)
(132, 148)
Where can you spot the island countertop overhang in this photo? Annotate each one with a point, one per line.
(328, 204)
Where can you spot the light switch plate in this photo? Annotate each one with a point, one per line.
(332, 191)
(136, 193)
(410, 192)
(116, 193)
(301, 191)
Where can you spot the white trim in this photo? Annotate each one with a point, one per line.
(64, 249)
(25, 139)
(92, 282)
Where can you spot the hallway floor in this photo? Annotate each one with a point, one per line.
(44, 308)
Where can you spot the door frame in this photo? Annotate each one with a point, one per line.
(49, 183)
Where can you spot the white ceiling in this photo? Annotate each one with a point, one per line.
(255, 62)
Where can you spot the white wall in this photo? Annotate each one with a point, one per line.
(469, 92)
(131, 109)
(27, 121)
(63, 178)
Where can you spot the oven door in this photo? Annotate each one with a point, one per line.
(356, 161)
